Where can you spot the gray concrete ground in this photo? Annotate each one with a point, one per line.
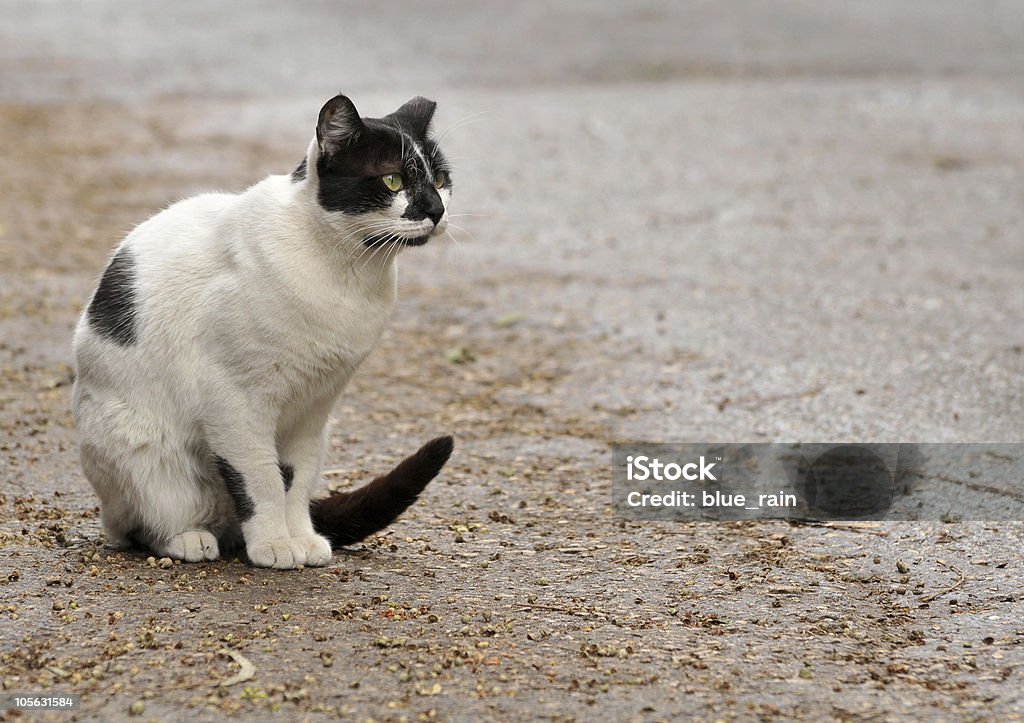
(685, 221)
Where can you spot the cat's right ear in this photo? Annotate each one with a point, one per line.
(339, 125)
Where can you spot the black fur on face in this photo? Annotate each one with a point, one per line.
(356, 153)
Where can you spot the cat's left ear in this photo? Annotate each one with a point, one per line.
(416, 115)
(339, 125)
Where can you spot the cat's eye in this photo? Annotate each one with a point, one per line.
(440, 178)
(393, 181)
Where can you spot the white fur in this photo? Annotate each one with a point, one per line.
(254, 311)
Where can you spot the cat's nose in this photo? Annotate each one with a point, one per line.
(432, 207)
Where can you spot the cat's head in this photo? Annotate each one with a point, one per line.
(378, 181)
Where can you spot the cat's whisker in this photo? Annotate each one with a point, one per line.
(355, 229)
(366, 249)
(378, 245)
(357, 252)
(467, 120)
(393, 244)
(349, 229)
(393, 251)
(457, 227)
(359, 231)
(454, 240)
(398, 130)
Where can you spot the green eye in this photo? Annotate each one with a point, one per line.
(393, 181)
(440, 178)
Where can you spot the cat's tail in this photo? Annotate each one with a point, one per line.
(348, 517)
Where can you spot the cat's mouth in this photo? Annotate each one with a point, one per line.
(389, 239)
(385, 239)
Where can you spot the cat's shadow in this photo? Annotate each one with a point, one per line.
(145, 557)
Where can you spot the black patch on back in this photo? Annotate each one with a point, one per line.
(235, 482)
(299, 174)
(287, 475)
(113, 312)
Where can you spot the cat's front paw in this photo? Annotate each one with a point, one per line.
(318, 550)
(283, 554)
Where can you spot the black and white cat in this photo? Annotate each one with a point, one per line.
(223, 331)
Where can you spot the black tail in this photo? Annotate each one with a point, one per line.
(347, 517)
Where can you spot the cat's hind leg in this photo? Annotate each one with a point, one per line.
(150, 509)
(171, 513)
(152, 485)
(190, 546)
(179, 506)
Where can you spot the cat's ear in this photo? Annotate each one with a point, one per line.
(339, 125)
(416, 115)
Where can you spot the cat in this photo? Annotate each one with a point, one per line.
(224, 329)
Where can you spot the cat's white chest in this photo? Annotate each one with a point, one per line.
(326, 343)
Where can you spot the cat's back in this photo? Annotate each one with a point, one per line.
(157, 264)
(182, 227)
